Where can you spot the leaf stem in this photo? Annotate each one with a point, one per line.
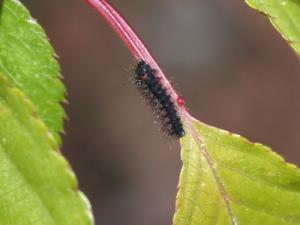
(136, 46)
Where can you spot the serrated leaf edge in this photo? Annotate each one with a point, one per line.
(54, 149)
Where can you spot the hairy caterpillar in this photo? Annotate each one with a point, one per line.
(156, 94)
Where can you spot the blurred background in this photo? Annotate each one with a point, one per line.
(232, 67)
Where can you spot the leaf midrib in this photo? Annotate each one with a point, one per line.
(211, 163)
(198, 139)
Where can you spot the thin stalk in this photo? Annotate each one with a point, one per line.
(136, 46)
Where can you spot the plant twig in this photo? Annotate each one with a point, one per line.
(136, 46)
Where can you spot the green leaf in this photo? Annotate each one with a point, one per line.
(284, 15)
(227, 180)
(27, 59)
(37, 185)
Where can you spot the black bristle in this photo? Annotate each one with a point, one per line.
(149, 84)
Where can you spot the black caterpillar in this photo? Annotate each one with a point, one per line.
(150, 86)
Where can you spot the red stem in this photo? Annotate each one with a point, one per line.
(134, 44)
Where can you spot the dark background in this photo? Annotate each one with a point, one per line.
(233, 68)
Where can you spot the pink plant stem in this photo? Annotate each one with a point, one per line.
(135, 45)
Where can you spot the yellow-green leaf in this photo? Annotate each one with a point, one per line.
(37, 186)
(284, 15)
(227, 180)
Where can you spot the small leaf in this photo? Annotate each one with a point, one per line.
(27, 59)
(284, 15)
(227, 180)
